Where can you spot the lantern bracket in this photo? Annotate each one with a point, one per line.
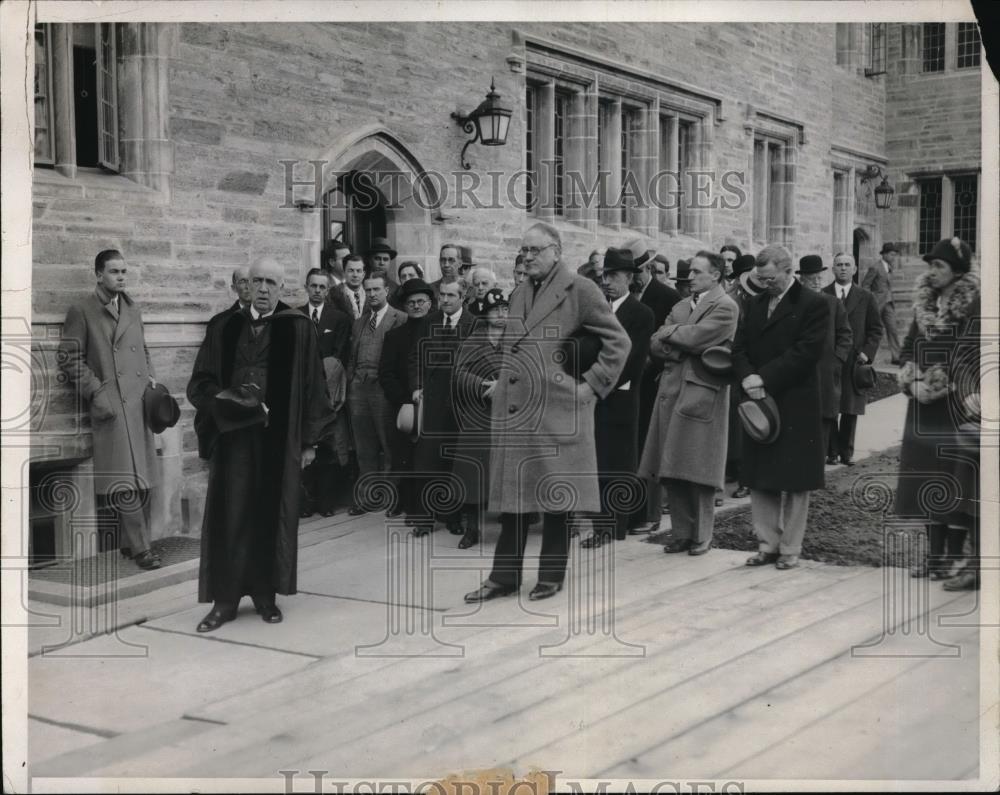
(469, 127)
(490, 112)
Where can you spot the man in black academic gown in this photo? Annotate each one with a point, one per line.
(616, 416)
(258, 385)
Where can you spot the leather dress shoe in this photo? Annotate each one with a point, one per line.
(741, 492)
(847, 462)
(964, 581)
(470, 539)
(677, 545)
(269, 612)
(327, 513)
(700, 549)
(489, 590)
(216, 617)
(786, 562)
(305, 513)
(719, 502)
(831, 460)
(147, 560)
(356, 510)
(596, 540)
(126, 553)
(455, 528)
(544, 590)
(642, 529)
(762, 559)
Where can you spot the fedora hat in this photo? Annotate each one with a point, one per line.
(466, 256)
(683, 271)
(888, 247)
(718, 360)
(380, 245)
(760, 419)
(743, 264)
(640, 254)
(862, 377)
(238, 407)
(811, 263)
(619, 259)
(413, 286)
(160, 408)
(410, 419)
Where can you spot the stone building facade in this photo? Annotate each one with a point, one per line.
(216, 144)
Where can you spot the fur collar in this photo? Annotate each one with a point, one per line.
(934, 320)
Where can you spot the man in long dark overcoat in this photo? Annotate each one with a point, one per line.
(866, 330)
(616, 417)
(103, 353)
(249, 540)
(778, 344)
(836, 348)
(686, 445)
(544, 458)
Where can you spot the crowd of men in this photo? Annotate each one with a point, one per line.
(385, 391)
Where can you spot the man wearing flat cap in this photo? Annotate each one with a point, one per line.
(836, 348)
(258, 379)
(779, 341)
(616, 416)
(878, 282)
(686, 444)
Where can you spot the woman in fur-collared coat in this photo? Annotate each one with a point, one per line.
(939, 460)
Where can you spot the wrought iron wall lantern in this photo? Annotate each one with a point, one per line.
(883, 191)
(487, 124)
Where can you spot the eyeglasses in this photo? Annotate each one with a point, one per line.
(417, 302)
(534, 251)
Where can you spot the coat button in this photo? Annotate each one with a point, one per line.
(138, 372)
(133, 347)
(512, 410)
(514, 349)
(513, 379)
(119, 373)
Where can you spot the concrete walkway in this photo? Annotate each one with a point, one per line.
(645, 667)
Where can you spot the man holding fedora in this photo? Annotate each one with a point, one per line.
(616, 416)
(779, 341)
(103, 354)
(686, 444)
(398, 378)
(836, 348)
(259, 378)
(866, 330)
(878, 282)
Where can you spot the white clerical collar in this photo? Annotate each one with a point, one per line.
(618, 302)
(255, 315)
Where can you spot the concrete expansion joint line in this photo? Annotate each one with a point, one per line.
(313, 657)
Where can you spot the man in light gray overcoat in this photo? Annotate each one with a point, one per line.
(103, 353)
(686, 444)
(562, 349)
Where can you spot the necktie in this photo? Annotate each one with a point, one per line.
(694, 299)
(372, 322)
(447, 322)
(316, 315)
(843, 293)
(357, 302)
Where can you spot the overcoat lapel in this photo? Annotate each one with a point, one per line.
(784, 306)
(126, 317)
(550, 295)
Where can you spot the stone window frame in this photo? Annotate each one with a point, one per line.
(940, 62)
(968, 48)
(878, 51)
(768, 130)
(593, 82)
(141, 157)
(947, 209)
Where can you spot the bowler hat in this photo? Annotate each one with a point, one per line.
(410, 419)
(743, 264)
(413, 286)
(619, 259)
(683, 271)
(956, 253)
(862, 376)
(238, 407)
(380, 245)
(811, 263)
(749, 283)
(760, 419)
(718, 360)
(888, 247)
(640, 254)
(160, 408)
